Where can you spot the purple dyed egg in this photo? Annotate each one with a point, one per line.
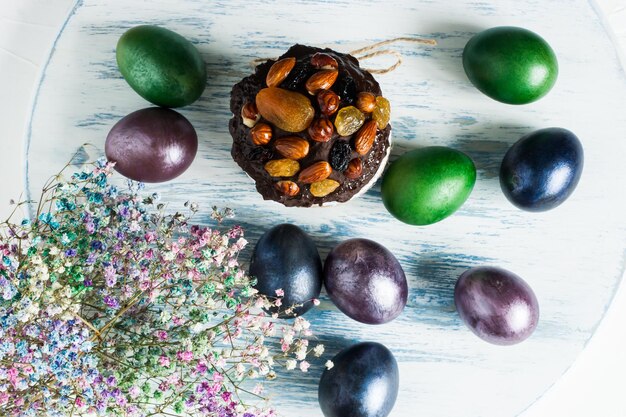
(152, 145)
(365, 281)
(497, 305)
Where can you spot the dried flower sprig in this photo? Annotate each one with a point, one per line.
(108, 305)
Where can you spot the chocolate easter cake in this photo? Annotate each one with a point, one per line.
(310, 128)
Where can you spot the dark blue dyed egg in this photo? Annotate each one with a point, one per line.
(542, 169)
(286, 258)
(362, 383)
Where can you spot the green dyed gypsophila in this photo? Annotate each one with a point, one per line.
(109, 305)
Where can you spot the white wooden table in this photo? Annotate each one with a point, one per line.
(444, 369)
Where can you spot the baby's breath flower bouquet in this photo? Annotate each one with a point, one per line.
(110, 306)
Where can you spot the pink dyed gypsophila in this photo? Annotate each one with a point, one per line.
(130, 309)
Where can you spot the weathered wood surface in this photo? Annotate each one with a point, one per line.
(573, 256)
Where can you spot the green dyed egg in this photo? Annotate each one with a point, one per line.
(160, 65)
(427, 185)
(510, 64)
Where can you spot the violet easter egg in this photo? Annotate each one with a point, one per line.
(365, 281)
(152, 145)
(497, 305)
(363, 382)
(286, 258)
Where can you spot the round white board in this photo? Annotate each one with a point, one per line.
(572, 256)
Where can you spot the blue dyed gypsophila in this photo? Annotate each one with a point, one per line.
(111, 306)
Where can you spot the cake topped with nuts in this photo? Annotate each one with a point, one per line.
(310, 128)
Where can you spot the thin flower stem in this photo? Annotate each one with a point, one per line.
(86, 323)
(203, 329)
(121, 312)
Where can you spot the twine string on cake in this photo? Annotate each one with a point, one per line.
(370, 51)
(364, 53)
(256, 61)
(395, 65)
